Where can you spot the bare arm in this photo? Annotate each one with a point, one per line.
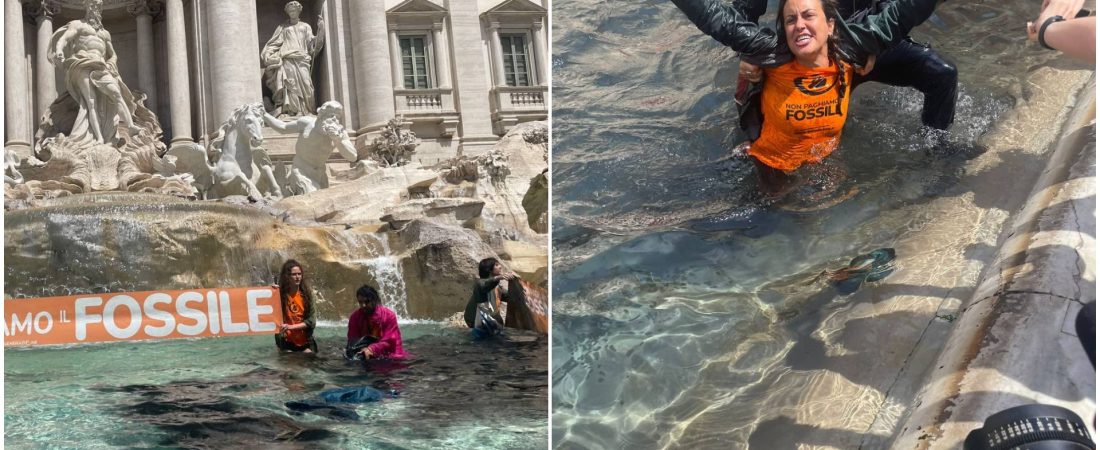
(347, 149)
(339, 136)
(344, 145)
(1074, 37)
(62, 42)
(294, 126)
(1064, 8)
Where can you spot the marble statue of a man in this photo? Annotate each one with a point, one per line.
(83, 49)
(287, 59)
(317, 137)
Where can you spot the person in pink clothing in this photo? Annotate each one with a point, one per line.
(377, 323)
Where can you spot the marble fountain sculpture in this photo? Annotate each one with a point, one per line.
(287, 60)
(103, 205)
(97, 135)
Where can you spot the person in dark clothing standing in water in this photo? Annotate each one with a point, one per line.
(905, 64)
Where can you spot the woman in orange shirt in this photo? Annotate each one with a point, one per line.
(296, 333)
(807, 72)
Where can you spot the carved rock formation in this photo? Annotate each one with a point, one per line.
(65, 164)
(395, 145)
(440, 264)
(535, 203)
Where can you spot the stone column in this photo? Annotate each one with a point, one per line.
(442, 65)
(395, 59)
(540, 53)
(179, 92)
(373, 79)
(234, 50)
(497, 56)
(143, 11)
(17, 120)
(46, 90)
(471, 77)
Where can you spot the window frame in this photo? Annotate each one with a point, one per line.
(429, 58)
(528, 56)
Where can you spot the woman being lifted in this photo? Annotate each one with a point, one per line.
(807, 72)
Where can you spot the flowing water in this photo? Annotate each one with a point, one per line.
(687, 314)
(383, 267)
(453, 392)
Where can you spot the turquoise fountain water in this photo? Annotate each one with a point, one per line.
(453, 392)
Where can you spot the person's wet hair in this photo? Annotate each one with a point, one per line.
(832, 12)
(369, 293)
(485, 267)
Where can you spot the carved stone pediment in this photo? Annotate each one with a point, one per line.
(418, 7)
(513, 8)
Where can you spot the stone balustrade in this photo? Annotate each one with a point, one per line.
(428, 106)
(509, 98)
(515, 104)
(423, 100)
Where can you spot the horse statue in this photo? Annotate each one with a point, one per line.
(236, 164)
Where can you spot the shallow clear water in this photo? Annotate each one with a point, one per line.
(454, 392)
(689, 315)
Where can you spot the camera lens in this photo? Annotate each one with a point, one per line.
(1031, 427)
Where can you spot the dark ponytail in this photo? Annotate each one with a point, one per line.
(841, 69)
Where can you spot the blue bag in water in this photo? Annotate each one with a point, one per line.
(329, 404)
(359, 394)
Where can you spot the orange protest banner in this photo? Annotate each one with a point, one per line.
(132, 316)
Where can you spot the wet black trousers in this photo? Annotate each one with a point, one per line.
(284, 344)
(910, 64)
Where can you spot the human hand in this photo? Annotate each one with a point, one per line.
(269, 120)
(868, 67)
(1065, 8)
(367, 354)
(751, 72)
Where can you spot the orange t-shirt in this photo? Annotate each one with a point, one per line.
(296, 313)
(803, 115)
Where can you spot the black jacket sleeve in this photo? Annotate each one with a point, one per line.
(886, 26)
(753, 9)
(734, 26)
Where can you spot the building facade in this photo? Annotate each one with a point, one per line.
(460, 72)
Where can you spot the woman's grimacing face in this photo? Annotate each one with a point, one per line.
(807, 29)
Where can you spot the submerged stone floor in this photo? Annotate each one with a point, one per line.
(978, 316)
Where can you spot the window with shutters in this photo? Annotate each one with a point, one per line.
(414, 62)
(515, 55)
